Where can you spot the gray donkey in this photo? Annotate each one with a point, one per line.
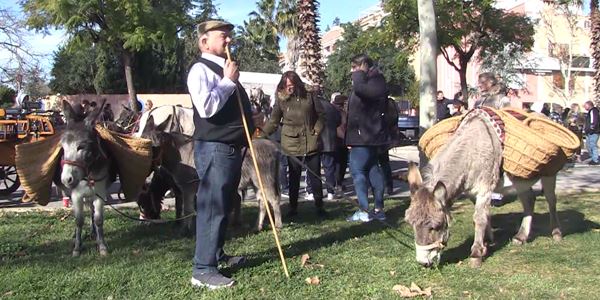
(176, 170)
(86, 172)
(470, 162)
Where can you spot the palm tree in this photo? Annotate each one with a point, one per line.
(287, 22)
(595, 45)
(262, 26)
(310, 51)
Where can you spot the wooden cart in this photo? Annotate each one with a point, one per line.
(16, 128)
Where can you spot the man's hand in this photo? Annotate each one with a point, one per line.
(231, 70)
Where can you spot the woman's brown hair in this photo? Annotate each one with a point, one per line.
(299, 88)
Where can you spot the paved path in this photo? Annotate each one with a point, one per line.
(577, 178)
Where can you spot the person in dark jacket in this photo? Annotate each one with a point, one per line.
(591, 130)
(366, 133)
(341, 156)
(333, 119)
(441, 107)
(303, 120)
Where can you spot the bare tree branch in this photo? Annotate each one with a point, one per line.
(16, 56)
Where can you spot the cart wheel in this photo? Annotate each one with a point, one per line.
(9, 180)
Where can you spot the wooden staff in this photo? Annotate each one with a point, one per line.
(260, 183)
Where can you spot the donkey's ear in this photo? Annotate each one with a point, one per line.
(68, 111)
(90, 119)
(149, 127)
(439, 192)
(414, 177)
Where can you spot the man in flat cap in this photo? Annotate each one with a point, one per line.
(218, 138)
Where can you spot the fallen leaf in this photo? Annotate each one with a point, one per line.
(413, 291)
(459, 263)
(392, 273)
(304, 259)
(136, 251)
(262, 290)
(596, 230)
(65, 216)
(305, 262)
(9, 293)
(313, 280)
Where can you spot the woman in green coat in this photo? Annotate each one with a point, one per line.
(302, 119)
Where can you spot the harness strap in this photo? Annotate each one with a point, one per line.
(491, 117)
(435, 245)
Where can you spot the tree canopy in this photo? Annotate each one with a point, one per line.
(466, 27)
(126, 26)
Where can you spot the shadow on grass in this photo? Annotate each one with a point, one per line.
(394, 215)
(506, 226)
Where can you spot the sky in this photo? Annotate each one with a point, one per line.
(234, 11)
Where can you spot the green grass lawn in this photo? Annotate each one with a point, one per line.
(360, 261)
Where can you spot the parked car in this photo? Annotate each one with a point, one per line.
(408, 123)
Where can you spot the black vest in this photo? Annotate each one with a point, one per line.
(226, 125)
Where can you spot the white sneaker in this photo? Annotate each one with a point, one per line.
(309, 197)
(330, 196)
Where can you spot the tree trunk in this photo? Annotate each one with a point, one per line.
(595, 45)
(310, 43)
(462, 73)
(429, 45)
(127, 64)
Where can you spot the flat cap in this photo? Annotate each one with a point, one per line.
(207, 26)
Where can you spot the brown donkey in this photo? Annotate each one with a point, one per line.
(470, 163)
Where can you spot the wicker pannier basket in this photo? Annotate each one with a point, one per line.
(526, 153)
(436, 137)
(555, 133)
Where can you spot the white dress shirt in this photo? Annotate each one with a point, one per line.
(208, 90)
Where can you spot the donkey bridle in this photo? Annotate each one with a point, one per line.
(86, 167)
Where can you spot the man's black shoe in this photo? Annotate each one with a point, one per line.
(213, 280)
(232, 261)
(593, 163)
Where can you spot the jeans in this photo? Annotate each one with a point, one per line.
(366, 172)
(328, 159)
(591, 141)
(313, 162)
(219, 169)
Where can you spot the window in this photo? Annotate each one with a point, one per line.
(580, 61)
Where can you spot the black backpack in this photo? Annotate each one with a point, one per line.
(390, 116)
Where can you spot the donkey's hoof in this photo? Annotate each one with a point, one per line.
(76, 253)
(519, 240)
(103, 252)
(475, 262)
(557, 235)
